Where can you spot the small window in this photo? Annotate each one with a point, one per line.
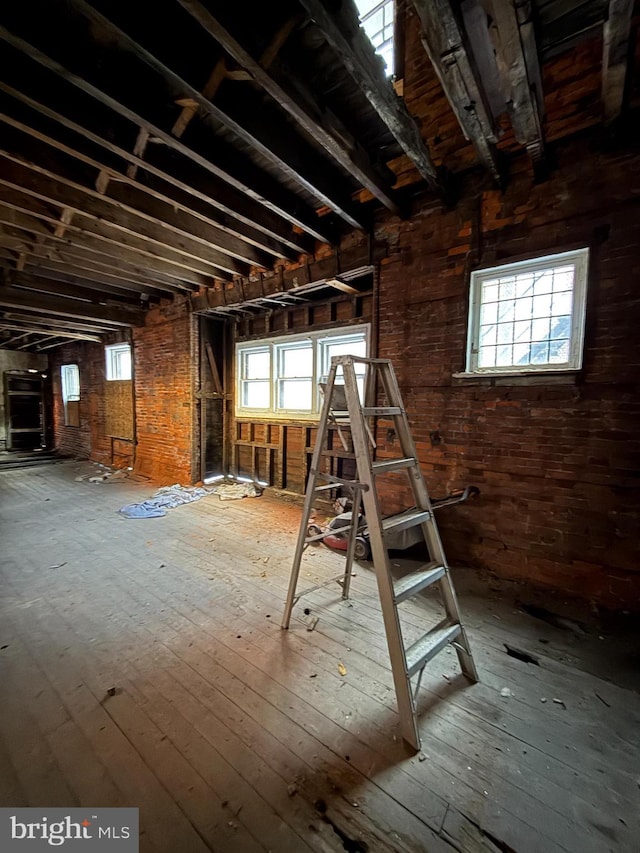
(279, 377)
(118, 361)
(528, 317)
(377, 21)
(70, 381)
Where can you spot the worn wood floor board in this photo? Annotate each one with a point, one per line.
(444, 757)
(163, 825)
(156, 607)
(571, 832)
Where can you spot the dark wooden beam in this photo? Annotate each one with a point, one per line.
(445, 41)
(615, 56)
(40, 284)
(159, 268)
(343, 32)
(320, 124)
(519, 66)
(47, 264)
(183, 183)
(53, 332)
(82, 279)
(256, 126)
(94, 327)
(252, 182)
(62, 307)
(76, 183)
(47, 187)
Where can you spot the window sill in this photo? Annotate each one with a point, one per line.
(551, 377)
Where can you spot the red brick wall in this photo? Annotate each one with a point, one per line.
(90, 439)
(556, 459)
(163, 394)
(163, 405)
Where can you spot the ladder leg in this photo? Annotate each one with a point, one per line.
(465, 658)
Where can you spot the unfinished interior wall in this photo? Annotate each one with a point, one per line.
(278, 451)
(555, 457)
(103, 412)
(164, 374)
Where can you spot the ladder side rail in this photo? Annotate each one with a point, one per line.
(321, 436)
(416, 477)
(404, 693)
(429, 527)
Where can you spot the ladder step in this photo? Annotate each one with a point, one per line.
(379, 411)
(404, 520)
(385, 465)
(416, 581)
(427, 647)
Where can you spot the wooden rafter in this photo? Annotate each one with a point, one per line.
(615, 55)
(58, 333)
(218, 249)
(319, 123)
(11, 297)
(191, 189)
(445, 41)
(519, 66)
(50, 188)
(262, 190)
(269, 139)
(341, 29)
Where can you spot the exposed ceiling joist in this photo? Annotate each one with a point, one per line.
(319, 123)
(151, 260)
(343, 32)
(615, 55)
(61, 307)
(58, 333)
(517, 56)
(262, 190)
(55, 186)
(183, 183)
(261, 132)
(30, 319)
(40, 284)
(445, 41)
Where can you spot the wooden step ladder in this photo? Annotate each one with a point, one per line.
(406, 661)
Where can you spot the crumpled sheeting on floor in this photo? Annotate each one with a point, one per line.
(235, 491)
(168, 497)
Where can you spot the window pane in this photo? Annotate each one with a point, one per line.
(118, 361)
(295, 394)
(256, 394)
(297, 361)
(257, 365)
(524, 316)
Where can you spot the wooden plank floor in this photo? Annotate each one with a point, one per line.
(230, 734)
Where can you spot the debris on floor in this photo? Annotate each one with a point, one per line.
(342, 669)
(167, 497)
(235, 491)
(505, 693)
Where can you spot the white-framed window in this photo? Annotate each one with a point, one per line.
(278, 377)
(376, 17)
(118, 361)
(70, 381)
(528, 317)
